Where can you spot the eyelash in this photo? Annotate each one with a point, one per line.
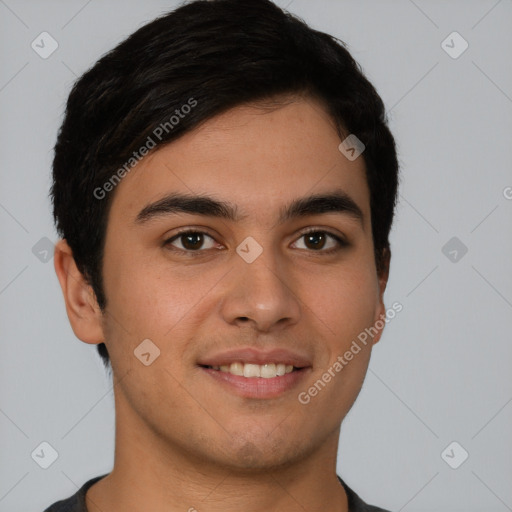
(168, 243)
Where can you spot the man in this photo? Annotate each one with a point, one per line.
(224, 185)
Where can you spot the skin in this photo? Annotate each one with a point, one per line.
(182, 440)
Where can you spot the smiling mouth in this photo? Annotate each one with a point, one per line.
(251, 370)
(257, 381)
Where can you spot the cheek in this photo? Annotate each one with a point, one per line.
(345, 301)
(345, 304)
(149, 298)
(139, 291)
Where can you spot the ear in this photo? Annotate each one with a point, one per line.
(84, 314)
(380, 313)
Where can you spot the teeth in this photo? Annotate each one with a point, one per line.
(249, 370)
(235, 369)
(268, 371)
(252, 370)
(280, 369)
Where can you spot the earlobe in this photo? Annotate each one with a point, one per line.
(82, 308)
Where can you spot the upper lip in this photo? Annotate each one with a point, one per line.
(254, 356)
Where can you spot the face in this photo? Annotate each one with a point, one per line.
(238, 250)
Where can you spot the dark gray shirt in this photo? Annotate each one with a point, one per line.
(76, 503)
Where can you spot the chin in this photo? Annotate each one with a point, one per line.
(263, 454)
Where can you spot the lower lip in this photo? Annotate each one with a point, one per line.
(258, 387)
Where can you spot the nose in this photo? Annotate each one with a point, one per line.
(260, 294)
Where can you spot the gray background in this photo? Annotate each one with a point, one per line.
(439, 373)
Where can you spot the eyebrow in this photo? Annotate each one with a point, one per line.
(335, 202)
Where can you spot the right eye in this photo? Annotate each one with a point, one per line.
(191, 241)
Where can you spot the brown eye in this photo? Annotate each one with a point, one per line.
(321, 241)
(315, 240)
(192, 241)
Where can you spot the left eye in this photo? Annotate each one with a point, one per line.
(318, 240)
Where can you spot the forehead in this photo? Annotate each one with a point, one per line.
(258, 158)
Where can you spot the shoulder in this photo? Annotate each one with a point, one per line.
(76, 502)
(356, 504)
